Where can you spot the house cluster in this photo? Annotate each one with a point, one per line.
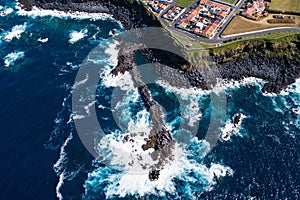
(158, 5)
(255, 9)
(173, 13)
(205, 18)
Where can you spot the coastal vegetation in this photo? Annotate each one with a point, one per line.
(272, 45)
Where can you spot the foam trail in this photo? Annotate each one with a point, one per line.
(59, 165)
(11, 58)
(16, 32)
(59, 185)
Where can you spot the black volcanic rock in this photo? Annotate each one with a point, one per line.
(132, 14)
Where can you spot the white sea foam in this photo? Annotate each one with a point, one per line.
(119, 105)
(43, 40)
(11, 58)
(16, 32)
(37, 12)
(107, 56)
(223, 85)
(59, 165)
(192, 113)
(123, 150)
(1, 7)
(293, 88)
(231, 128)
(189, 103)
(130, 158)
(123, 81)
(75, 36)
(6, 12)
(59, 185)
(113, 52)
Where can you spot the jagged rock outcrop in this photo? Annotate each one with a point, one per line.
(160, 138)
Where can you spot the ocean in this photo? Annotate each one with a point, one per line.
(43, 155)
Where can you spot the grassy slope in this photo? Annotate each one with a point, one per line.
(286, 5)
(279, 39)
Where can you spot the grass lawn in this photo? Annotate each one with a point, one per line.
(286, 5)
(184, 3)
(240, 24)
(230, 1)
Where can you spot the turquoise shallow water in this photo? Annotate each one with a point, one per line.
(43, 157)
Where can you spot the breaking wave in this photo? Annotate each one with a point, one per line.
(37, 12)
(77, 35)
(16, 32)
(11, 58)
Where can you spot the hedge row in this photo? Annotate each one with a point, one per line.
(283, 12)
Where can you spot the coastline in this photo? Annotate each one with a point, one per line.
(268, 122)
(121, 10)
(252, 59)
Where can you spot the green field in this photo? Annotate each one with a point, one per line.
(230, 1)
(286, 5)
(184, 3)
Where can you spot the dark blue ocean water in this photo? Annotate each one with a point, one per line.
(42, 156)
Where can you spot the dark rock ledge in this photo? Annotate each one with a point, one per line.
(130, 13)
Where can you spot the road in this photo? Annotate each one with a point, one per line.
(217, 37)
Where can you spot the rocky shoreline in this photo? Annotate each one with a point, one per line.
(130, 13)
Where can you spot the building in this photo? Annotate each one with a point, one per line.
(205, 18)
(255, 9)
(157, 6)
(173, 13)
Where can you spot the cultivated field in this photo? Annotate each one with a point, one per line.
(240, 24)
(286, 5)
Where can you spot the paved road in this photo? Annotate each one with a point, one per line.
(218, 38)
(260, 32)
